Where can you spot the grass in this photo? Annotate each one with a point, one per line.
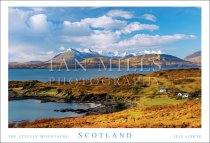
(134, 113)
(153, 109)
(158, 100)
(17, 89)
(143, 85)
(49, 92)
(183, 115)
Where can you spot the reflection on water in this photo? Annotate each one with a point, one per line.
(31, 109)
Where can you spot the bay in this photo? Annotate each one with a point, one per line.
(32, 109)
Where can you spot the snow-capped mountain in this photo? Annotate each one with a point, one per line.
(93, 58)
(71, 54)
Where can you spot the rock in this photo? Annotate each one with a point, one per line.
(43, 101)
(79, 111)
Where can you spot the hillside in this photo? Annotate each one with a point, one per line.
(147, 60)
(94, 60)
(127, 86)
(195, 58)
(163, 60)
(71, 54)
(131, 100)
(185, 115)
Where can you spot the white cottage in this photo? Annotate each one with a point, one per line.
(162, 90)
(179, 94)
(185, 95)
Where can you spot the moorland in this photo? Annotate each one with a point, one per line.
(162, 99)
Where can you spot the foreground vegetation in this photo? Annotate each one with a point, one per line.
(151, 107)
(185, 115)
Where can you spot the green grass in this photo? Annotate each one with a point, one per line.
(52, 92)
(134, 113)
(159, 100)
(49, 92)
(17, 89)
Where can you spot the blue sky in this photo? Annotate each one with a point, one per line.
(39, 33)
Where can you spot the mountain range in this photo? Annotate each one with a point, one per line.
(93, 59)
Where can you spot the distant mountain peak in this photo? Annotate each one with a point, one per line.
(196, 54)
(88, 51)
(71, 54)
(71, 50)
(195, 58)
(68, 50)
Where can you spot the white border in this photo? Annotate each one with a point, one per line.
(138, 134)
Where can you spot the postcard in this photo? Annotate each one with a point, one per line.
(98, 71)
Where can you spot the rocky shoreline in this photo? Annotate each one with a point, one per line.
(73, 93)
(104, 108)
(109, 106)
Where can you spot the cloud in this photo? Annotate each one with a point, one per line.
(62, 48)
(28, 36)
(110, 41)
(135, 26)
(75, 28)
(34, 32)
(143, 40)
(104, 39)
(83, 27)
(38, 9)
(97, 40)
(17, 20)
(74, 24)
(149, 17)
(27, 22)
(38, 23)
(104, 22)
(152, 52)
(50, 53)
(26, 52)
(120, 13)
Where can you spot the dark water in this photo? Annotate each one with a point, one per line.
(31, 110)
(45, 75)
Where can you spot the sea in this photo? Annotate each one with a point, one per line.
(46, 75)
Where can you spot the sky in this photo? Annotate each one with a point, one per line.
(39, 33)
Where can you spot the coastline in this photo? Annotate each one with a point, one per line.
(137, 117)
(104, 107)
(122, 104)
